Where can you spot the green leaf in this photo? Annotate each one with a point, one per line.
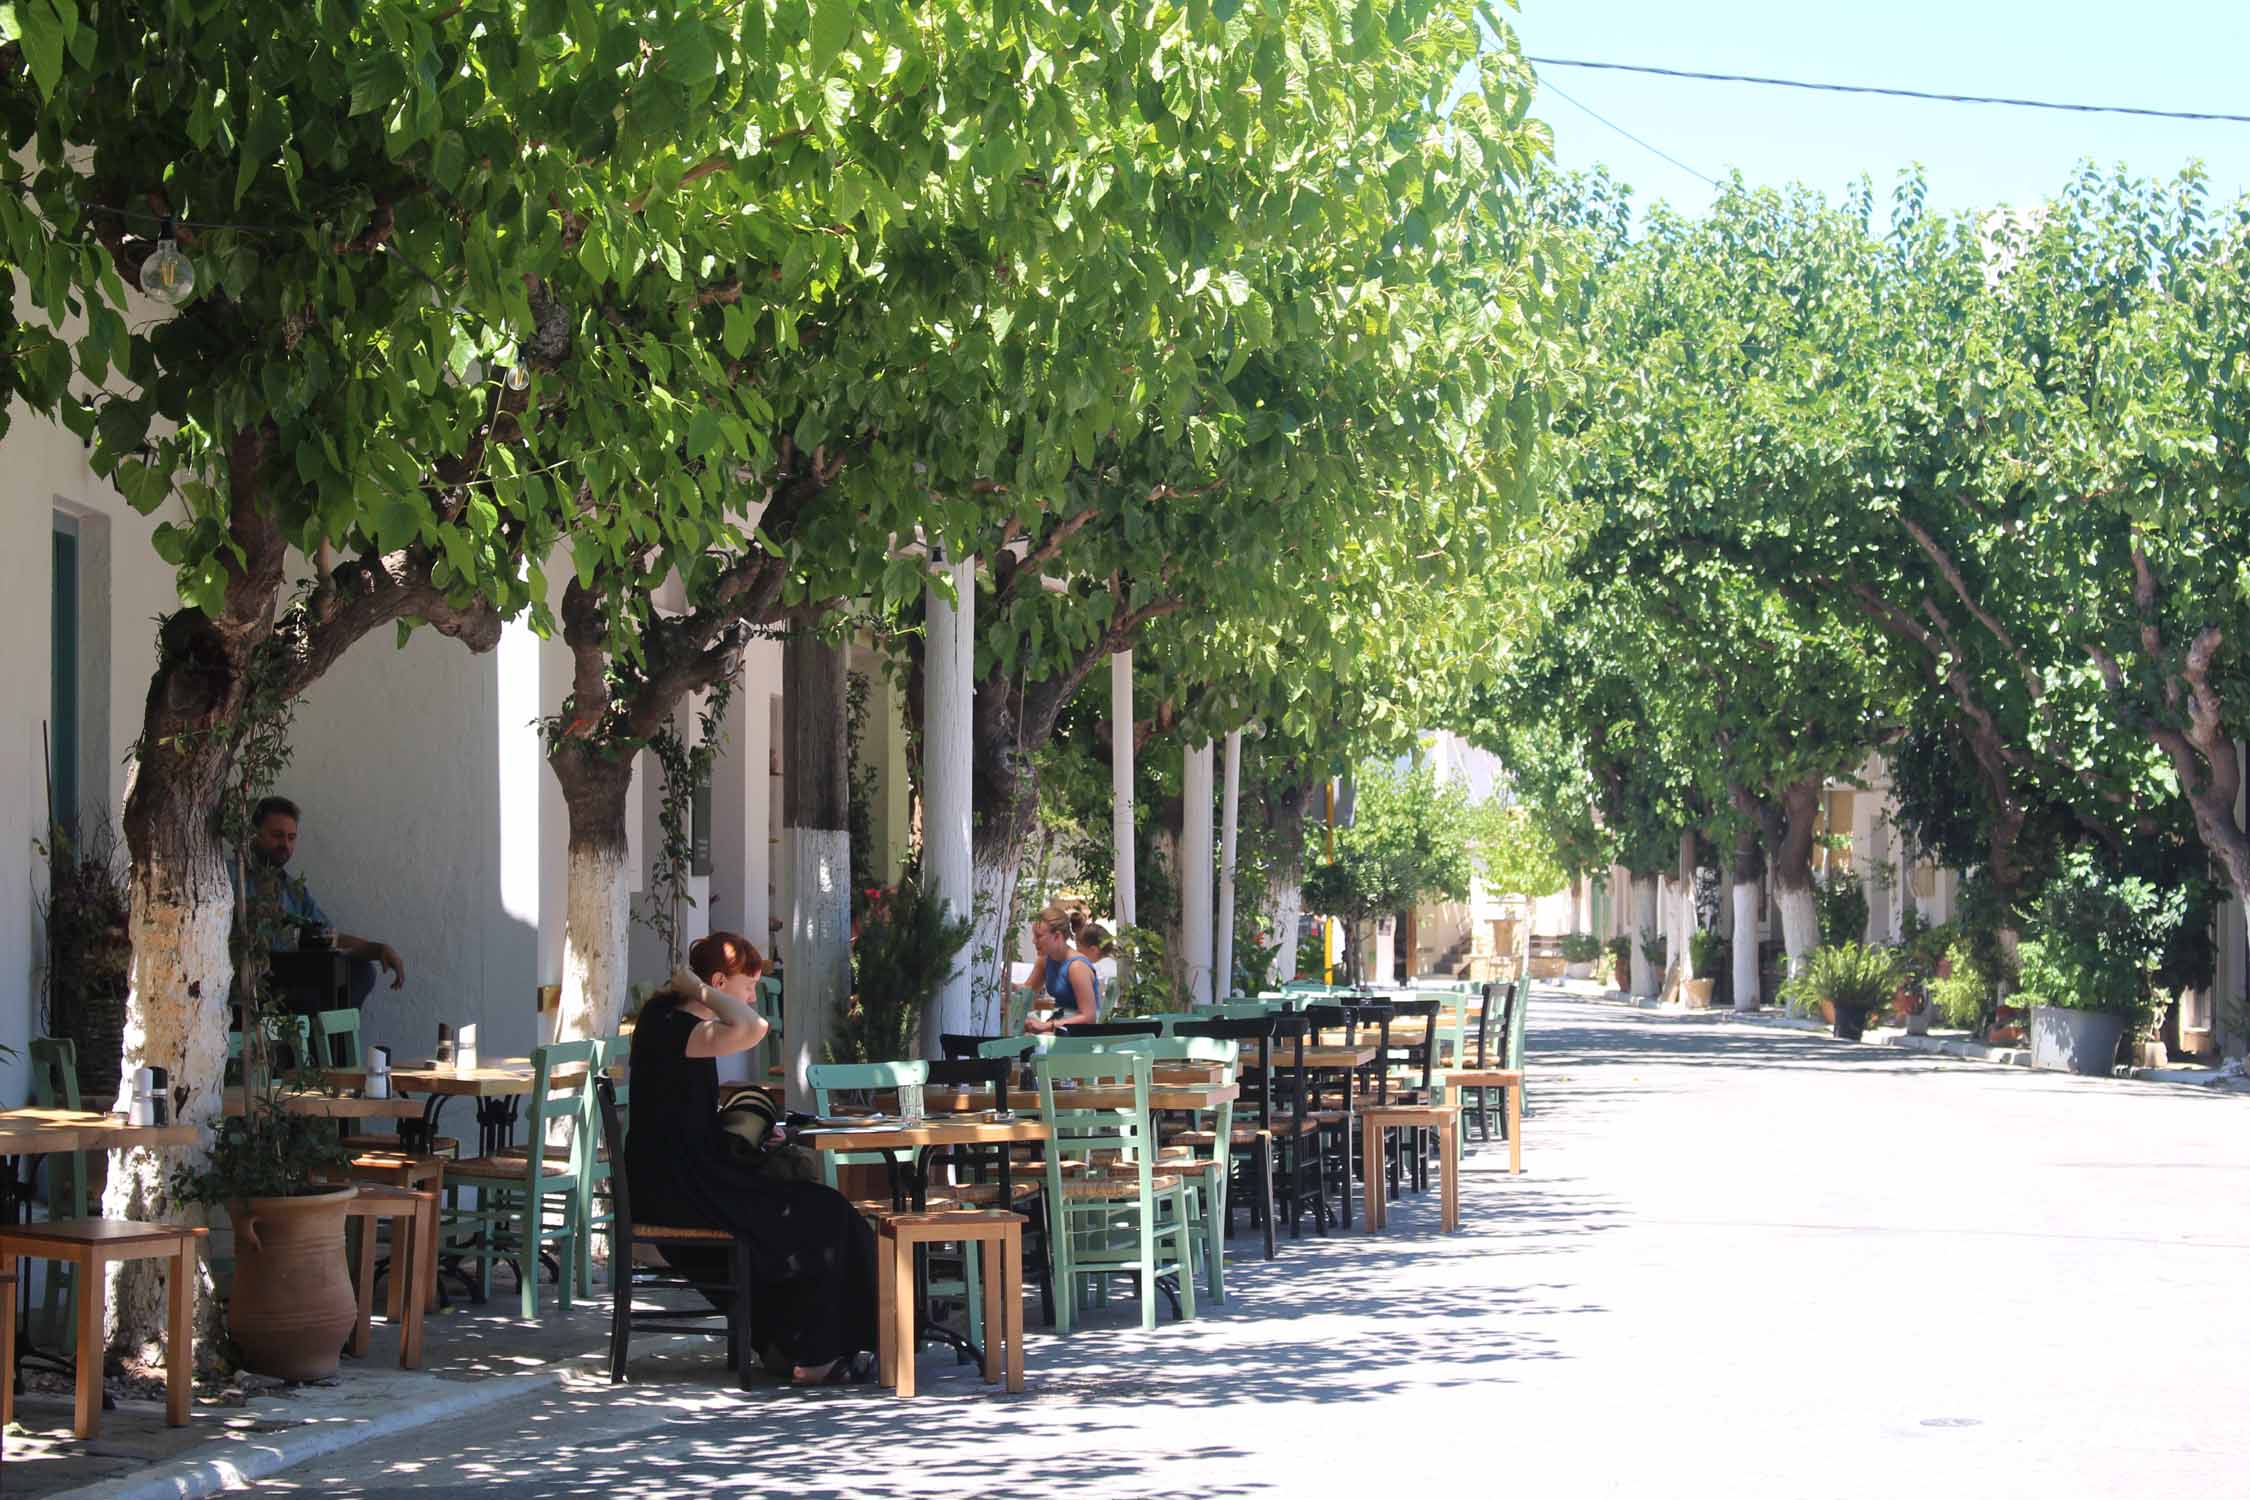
(40, 30)
(833, 26)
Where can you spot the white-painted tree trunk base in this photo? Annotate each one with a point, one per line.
(1122, 820)
(820, 953)
(176, 1018)
(1644, 925)
(1286, 901)
(1195, 872)
(948, 754)
(597, 936)
(1800, 924)
(1746, 992)
(992, 934)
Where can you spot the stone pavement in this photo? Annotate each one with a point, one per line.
(1741, 1261)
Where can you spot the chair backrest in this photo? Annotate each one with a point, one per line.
(1080, 1133)
(955, 1045)
(1422, 1054)
(1518, 1014)
(54, 1072)
(1150, 1027)
(561, 1072)
(1253, 1038)
(973, 1073)
(620, 1191)
(830, 1079)
(1492, 1025)
(1082, 1046)
(335, 1038)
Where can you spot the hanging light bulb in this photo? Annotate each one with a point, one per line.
(518, 377)
(167, 275)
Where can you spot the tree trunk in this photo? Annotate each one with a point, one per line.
(816, 795)
(1643, 927)
(1285, 872)
(1748, 871)
(176, 1014)
(996, 868)
(597, 919)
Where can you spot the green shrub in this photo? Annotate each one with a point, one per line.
(2095, 939)
(1965, 998)
(909, 941)
(1620, 950)
(1581, 948)
(1842, 902)
(1707, 953)
(1657, 949)
(1847, 976)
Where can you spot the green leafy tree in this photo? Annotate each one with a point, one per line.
(1409, 842)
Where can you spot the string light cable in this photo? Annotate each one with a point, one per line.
(1927, 95)
(1549, 86)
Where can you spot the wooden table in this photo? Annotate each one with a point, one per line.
(1510, 1082)
(331, 1106)
(1162, 1094)
(498, 1087)
(33, 1132)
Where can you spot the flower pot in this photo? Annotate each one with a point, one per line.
(292, 1306)
(1697, 993)
(1578, 971)
(1623, 975)
(2075, 1041)
(1847, 1022)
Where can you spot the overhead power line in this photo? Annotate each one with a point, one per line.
(1549, 86)
(1889, 93)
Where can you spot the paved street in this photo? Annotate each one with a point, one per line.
(1742, 1261)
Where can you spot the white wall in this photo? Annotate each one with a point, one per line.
(421, 809)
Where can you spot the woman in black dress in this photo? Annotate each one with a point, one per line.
(812, 1256)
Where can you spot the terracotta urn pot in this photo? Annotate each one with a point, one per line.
(292, 1306)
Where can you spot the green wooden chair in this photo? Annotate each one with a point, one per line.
(770, 1006)
(54, 1085)
(831, 1079)
(1205, 1176)
(1112, 1210)
(336, 1038)
(530, 1201)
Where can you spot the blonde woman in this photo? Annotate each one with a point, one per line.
(1064, 974)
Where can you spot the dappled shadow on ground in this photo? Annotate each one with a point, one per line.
(1341, 1320)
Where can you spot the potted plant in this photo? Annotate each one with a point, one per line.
(1580, 952)
(291, 1306)
(1851, 980)
(1621, 961)
(1707, 954)
(2087, 970)
(909, 943)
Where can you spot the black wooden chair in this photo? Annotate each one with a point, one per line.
(957, 1047)
(627, 1276)
(1414, 1067)
(1493, 1029)
(1250, 1146)
(1309, 1115)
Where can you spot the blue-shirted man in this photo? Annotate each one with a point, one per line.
(273, 841)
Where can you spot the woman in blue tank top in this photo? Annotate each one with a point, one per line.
(1064, 974)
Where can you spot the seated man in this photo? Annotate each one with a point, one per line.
(276, 896)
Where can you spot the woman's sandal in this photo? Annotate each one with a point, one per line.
(857, 1369)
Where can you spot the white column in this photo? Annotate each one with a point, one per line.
(949, 691)
(1230, 804)
(1121, 783)
(1745, 948)
(1195, 870)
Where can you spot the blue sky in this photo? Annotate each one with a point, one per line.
(2165, 54)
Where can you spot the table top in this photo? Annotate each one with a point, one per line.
(333, 1106)
(1176, 1095)
(1329, 1057)
(884, 1133)
(500, 1078)
(30, 1132)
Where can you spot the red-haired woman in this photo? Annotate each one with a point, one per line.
(812, 1255)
